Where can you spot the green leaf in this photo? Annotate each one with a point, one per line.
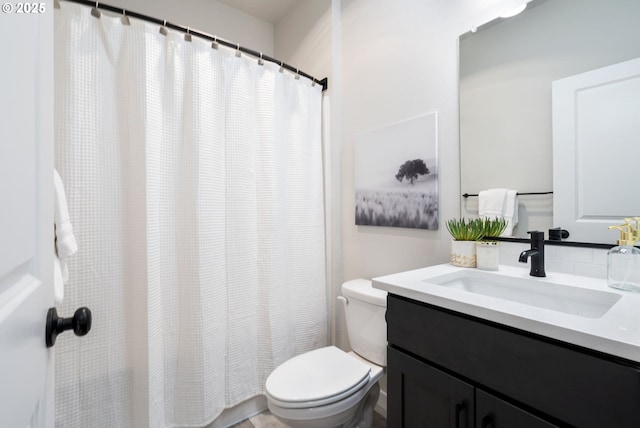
(493, 227)
(466, 230)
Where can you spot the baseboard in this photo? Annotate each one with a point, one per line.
(238, 413)
(381, 405)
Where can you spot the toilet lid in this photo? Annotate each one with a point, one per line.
(318, 377)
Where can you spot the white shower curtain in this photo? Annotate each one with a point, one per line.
(194, 181)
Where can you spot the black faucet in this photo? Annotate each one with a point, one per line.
(536, 253)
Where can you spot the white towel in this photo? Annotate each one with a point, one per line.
(499, 203)
(65, 243)
(510, 212)
(491, 203)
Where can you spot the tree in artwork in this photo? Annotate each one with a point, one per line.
(411, 169)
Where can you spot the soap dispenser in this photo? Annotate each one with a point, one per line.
(623, 261)
(636, 230)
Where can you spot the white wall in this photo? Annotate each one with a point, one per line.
(399, 60)
(302, 38)
(210, 17)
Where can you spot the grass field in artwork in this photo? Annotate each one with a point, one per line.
(411, 207)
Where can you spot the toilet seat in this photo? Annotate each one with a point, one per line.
(317, 378)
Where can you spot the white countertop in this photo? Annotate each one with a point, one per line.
(617, 332)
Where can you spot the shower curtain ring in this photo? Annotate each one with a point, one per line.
(187, 37)
(238, 53)
(163, 29)
(260, 61)
(281, 67)
(124, 18)
(95, 12)
(297, 74)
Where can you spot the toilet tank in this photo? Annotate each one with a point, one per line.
(365, 309)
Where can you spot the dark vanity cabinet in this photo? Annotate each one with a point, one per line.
(447, 369)
(428, 394)
(433, 398)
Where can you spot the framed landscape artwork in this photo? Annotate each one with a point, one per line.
(396, 175)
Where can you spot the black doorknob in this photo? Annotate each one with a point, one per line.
(80, 323)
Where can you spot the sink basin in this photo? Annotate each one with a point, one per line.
(582, 302)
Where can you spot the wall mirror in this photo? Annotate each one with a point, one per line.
(507, 69)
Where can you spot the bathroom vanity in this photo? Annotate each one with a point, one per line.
(468, 348)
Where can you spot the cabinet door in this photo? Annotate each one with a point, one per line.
(491, 412)
(422, 396)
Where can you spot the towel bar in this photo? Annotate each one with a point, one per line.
(466, 195)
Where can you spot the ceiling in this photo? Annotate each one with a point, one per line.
(266, 10)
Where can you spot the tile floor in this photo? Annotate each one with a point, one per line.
(267, 420)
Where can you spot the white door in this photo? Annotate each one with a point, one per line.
(26, 213)
(596, 123)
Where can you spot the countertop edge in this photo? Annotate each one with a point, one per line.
(584, 339)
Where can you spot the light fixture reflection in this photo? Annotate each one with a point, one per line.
(514, 12)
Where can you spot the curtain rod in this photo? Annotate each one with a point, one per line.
(188, 30)
(466, 195)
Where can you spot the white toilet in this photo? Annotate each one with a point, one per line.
(328, 387)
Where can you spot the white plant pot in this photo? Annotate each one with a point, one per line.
(463, 253)
(487, 254)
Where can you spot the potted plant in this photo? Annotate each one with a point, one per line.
(487, 250)
(465, 233)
